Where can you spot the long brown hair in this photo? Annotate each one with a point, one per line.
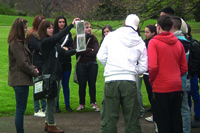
(42, 30)
(36, 22)
(17, 32)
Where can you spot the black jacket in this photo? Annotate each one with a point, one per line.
(88, 55)
(52, 53)
(34, 46)
(147, 42)
(194, 58)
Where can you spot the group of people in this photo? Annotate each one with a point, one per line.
(169, 64)
(190, 89)
(44, 43)
(165, 60)
(38, 61)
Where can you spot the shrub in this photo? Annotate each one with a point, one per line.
(6, 10)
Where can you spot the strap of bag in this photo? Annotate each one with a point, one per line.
(56, 49)
(80, 55)
(65, 40)
(32, 54)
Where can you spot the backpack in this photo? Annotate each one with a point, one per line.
(194, 58)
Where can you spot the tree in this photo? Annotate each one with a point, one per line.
(146, 9)
(106, 9)
(43, 7)
(79, 8)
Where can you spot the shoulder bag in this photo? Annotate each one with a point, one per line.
(45, 86)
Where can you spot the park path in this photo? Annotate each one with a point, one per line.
(77, 122)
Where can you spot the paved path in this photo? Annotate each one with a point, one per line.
(77, 122)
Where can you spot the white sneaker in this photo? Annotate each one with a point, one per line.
(39, 114)
(95, 107)
(80, 107)
(149, 119)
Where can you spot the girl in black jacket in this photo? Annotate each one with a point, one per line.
(52, 53)
(67, 43)
(34, 46)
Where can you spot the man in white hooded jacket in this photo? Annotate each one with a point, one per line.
(124, 56)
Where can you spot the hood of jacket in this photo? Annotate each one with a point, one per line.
(183, 40)
(166, 37)
(127, 36)
(178, 33)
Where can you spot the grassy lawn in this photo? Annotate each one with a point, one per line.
(7, 96)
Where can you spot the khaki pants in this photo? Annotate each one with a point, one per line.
(118, 93)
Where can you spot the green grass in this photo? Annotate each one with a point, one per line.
(7, 20)
(7, 96)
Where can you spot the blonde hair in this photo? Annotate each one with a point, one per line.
(87, 23)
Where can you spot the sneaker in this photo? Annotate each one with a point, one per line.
(39, 114)
(69, 109)
(95, 107)
(58, 110)
(80, 107)
(149, 119)
(196, 124)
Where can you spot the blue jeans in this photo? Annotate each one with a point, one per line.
(87, 72)
(37, 105)
(21, 96)
(194, 93)
(139, 94)
(65, 85)
(185, 112)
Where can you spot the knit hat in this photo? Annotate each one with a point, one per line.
(132, 20)
(184, 27)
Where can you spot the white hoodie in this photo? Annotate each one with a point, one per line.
(123, 54)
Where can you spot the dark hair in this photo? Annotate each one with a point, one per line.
(56, 27)
(189, 32)
(17, 32)
(106, 26)
(168, 10)
(152, 28)
(176, 22)
(42, 30)
(165, 22)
